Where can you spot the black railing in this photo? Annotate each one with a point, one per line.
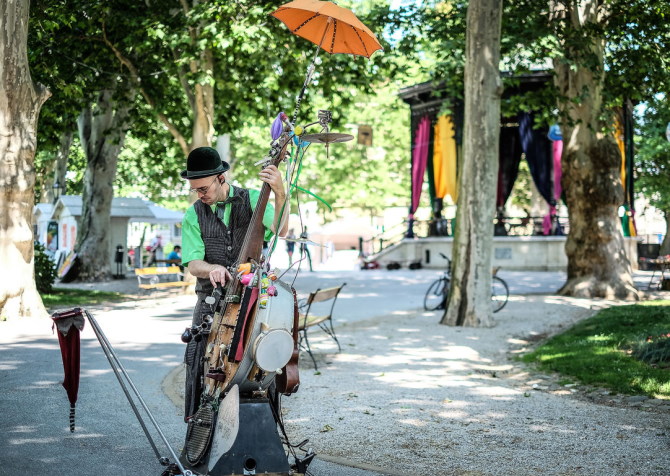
(531, 226)
(443, 227)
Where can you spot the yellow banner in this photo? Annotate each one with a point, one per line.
(618, 135)
(444, 159)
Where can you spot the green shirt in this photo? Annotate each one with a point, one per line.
(192, 246)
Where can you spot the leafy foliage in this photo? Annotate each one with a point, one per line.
(654, 350)
(652, 160)
(521, 192)
(45, 269)
(347, 174)
(536, 34)
(257, 68)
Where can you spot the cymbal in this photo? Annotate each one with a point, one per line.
(326, 137)
(302, 240)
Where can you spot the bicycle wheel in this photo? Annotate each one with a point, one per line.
(436, 296)
(499, 293)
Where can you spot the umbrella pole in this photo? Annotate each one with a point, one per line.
(310, 72)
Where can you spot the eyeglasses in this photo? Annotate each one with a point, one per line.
(203, 190)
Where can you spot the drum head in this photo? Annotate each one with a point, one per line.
(273, 349)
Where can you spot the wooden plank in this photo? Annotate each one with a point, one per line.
(165, 285)
(324, 294)
(157, 270)
(311, 321)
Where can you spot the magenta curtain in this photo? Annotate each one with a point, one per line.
(419, 161)
(558, 152)
(557, 148)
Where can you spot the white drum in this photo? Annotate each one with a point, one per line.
(273, 349)
(271, 342)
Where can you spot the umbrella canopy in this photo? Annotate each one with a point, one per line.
(333, 28)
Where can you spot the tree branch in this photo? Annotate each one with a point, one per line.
(181, 73)
(135, 77)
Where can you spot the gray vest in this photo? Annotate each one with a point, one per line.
(223, 243)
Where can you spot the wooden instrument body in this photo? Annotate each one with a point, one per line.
(289, 380)
(277, 316)
(224, 365)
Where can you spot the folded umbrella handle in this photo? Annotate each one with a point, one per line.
(74, 312)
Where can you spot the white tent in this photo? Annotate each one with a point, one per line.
(57, 225)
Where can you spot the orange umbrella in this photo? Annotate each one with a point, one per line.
(331, 27)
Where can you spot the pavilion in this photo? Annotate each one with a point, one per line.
(522, 243)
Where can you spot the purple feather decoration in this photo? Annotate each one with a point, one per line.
(277, 127)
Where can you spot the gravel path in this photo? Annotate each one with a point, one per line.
(409, 396)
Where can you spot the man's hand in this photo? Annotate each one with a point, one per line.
(219, 275)
(272, 177)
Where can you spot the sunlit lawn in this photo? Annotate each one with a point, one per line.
(60, 298)
(599, 351)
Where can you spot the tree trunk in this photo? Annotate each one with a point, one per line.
(665, 245)
(102, 130)
(597, 261)
(56, 170)
(20, 104)
(203, 105)
(469, 302)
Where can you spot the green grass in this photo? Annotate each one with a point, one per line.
(60, 298)
(598, 350)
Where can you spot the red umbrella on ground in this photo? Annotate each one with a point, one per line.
(69, 324)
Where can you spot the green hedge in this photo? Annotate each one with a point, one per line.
(45, 270)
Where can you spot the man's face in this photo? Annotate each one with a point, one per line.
(207, 188)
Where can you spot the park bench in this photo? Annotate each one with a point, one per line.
(311, 314)
(150, 278)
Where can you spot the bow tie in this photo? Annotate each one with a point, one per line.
(220, 206)
(228, 200)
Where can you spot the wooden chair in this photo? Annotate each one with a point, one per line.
(325, 321)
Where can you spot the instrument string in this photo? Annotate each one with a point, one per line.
(295, 175)
(287, 205)
(294, 164)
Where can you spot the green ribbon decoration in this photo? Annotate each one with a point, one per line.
(295, 185)
(315, 196)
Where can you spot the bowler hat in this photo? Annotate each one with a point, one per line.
(203, 162)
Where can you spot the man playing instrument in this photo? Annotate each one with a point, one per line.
(213, 231)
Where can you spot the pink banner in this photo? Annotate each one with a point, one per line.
(558, 153)
(419, 160)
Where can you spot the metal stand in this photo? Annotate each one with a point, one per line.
(257, 448)
(125, 382)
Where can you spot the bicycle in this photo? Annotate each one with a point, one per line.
(438, 291)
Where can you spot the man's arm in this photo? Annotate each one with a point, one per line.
(216, 273)
(272, 177)
(281, 213)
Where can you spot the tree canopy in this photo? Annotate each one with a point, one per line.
(245, 61)
(653, 155)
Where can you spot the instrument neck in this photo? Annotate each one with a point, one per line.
(253, 240)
